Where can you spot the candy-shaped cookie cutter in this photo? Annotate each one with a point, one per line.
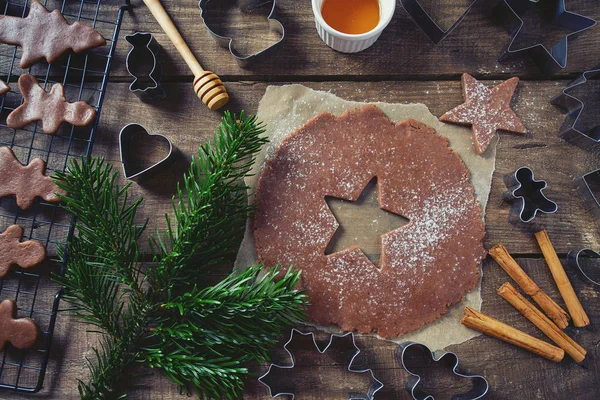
(144, 66)
(574, 258)
(405, 351)
(575, 107)
(511, 12)
(588, 186)
(227, 42)
(427, 24)
(127, 149)
(375, 386)
(527, 193)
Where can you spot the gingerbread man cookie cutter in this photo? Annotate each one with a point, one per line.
(406, 350)
(528, 195)
(374, 387)
(227, 42)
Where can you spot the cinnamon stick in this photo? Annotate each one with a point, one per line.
(510, 294)
(580, 318)
(508, 264)
(490, 326)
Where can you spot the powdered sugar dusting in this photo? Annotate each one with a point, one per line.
(426, 265)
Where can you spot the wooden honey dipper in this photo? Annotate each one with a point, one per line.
(207, 85)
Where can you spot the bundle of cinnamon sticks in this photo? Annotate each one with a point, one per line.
(558, 318)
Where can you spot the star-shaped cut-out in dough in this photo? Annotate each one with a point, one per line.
(362, 223)
(46, 35)
(486, 110)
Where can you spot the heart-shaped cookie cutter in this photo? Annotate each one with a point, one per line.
(480, 384)
(427, 24)
(125, 140)
(574, 260)
(227, 42)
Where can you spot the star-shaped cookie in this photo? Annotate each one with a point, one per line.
(486, 110)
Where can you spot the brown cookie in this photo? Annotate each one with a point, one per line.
(426, 265)
(26, 182)
(51, 108)
(4, 88)
(486, 110)
(14, 252)
(21, 333)
(46, 35)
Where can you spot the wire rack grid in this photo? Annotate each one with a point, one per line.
(84, 77)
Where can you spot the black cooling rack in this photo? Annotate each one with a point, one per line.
(84, 77)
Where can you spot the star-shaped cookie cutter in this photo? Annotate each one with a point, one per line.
(376, 385)
(426, 22)
(523, 186)
(227, 42)
(511, 12)
(480, 384)
(575, 107)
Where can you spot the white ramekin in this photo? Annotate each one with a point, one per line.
(347, 43)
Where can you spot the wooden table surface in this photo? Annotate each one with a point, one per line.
(403, 66)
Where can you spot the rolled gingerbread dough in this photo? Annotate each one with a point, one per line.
(284, 109)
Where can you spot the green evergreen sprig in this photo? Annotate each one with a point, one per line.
(163, 314)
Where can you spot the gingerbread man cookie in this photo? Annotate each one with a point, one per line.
(46, 35)
(12, 251)
(51, 108)
(21, 333)
(4, 88)
(26, 182)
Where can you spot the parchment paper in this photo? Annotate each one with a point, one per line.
(284, 109)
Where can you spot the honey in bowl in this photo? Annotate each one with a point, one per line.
(351, 16)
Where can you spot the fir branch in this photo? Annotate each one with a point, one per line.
(206, 335)
(210, 217)
(202, 337)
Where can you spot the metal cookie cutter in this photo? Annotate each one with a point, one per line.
(143, 65)
(523, 186)
(427, 23)
(375, 386)
(576, 110)
(574, 260)
(406, 350)
(127, 138)
(227, 42)
(587, 186)
(511, 12)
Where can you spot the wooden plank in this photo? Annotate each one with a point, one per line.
(541, 149)
(512, 372)
(402, 52)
